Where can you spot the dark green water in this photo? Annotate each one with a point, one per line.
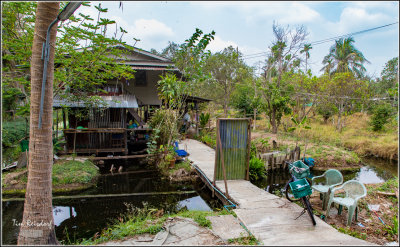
(82, 218)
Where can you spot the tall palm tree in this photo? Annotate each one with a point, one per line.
(306, 50)
(37, 226)
(345, 57)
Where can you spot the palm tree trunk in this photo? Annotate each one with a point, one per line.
(37, 226)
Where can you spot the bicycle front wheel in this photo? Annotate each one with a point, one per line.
(309, 209)
(288, 192)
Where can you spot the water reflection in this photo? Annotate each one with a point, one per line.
(62, 213)
(194, 203)
(82, 218)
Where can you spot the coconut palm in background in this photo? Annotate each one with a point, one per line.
(344, 57)
(306, 50)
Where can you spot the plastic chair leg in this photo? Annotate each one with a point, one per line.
(340, 209)
(351, 213)
(328, 207)
(324, 200)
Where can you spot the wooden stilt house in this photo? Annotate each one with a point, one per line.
(121, 126)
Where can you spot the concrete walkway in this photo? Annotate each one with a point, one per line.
(268, 217)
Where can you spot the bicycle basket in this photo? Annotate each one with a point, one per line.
(299, 169)
(300, 188)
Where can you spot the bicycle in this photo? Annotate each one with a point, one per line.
(299, 188)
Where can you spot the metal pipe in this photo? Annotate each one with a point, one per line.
(45, 57)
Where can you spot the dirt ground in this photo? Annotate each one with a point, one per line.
(371, 227)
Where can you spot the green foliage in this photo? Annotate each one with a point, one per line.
(74, 172)
(80, 72)
(351, 232)
(344, 91)
(190, 56)
(388, 83)
(282, 62)
(244, 97)
(344, 57)
(166, 121)
(227, 68)
(172, 90)
(326, 109)
(248, 240)
(208, 138)
(257, 169)
(204, 118)
(14, 131)
(145, 220)
(381, 115)
(390, 185)
(58, 144)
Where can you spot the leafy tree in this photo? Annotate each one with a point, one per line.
(343, 90)
(84, 58)
(326, 109)
(226, 69)
(244, 97)
(191, 55)
(276, 91)
(168, 52)
(388, 84)
(18, 19)
(344, 57)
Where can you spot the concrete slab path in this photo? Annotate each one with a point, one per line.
(268, 217)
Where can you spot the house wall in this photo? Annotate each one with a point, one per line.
(146, 95)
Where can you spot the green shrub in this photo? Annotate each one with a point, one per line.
(204, 118)
(381, 116)
(257, 169)
(166, 121)
(14, 131)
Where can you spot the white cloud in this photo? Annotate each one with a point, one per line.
(151, 29)
(151, 32)
(217, 44)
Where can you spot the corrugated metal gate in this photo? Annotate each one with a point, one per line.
(235, 142)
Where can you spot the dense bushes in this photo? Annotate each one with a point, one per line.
(166, 121)
(380, 116)
(13, 132)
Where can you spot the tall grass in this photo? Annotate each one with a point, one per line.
(357, 135)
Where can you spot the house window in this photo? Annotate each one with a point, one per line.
(140, 78)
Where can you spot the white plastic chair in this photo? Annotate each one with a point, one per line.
(354, 191)
(333, 178)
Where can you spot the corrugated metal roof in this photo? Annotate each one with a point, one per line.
(152, 68)
(120, 101)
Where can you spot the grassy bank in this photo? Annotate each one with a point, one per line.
(357, 135)
(144, 220)
(67, 176)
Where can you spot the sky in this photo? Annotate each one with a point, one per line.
(248, 25)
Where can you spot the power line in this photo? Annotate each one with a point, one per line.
(261, 54)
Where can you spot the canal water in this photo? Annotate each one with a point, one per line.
(82, 218)
(374, 171)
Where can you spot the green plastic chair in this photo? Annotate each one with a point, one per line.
(333, 178)
(354, 191)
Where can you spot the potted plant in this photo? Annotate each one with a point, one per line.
(170, 157)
